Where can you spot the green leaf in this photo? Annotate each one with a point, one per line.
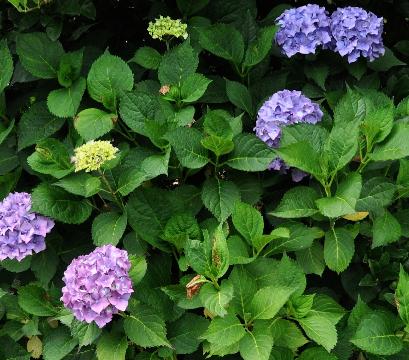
(318, 73)
(240, 96)
(377, 193)
(219, 146)
(386, 229)
(257, 344)
(216, 124)
(316, 353)
(238, 250)
(395, 146)
(296, 203)
(93, 123)
(376, 334)
(345, 198)
(37, 124)
(327, 307)
(70, 67)
(224, 41)
(223, 332)
(287, 334)
(85, 333)
(136, 108)
(339, 248)
(301, 155)
(108, 76)
(268, 301)
(295, 236)
(59, 205)
(320, 329)
(177, 65)
(386, 62)
(65, 102)
(51, 157)
(378, 122)
(6, 65)
(111, 346)
(187, 8)
(209, 257)
(188, 148)
(193, 87)
(260, 47)
(219, 197)
(402, 295)
(16, 266)
(33, 300)
(144, 327)
(180, 228)
(58, 343)
(244, 289)
(140, 166)
(6, 132)
(44, 265)
(185, 333)
(312, 259)
(147, 57)
(247, 221)
(138, 268)
(148, 212)
(339, 149)
(108, 228)
(250, 154)
(350, 110)
(216, 301)
(38, 54)
(81, 184)
(76, 8)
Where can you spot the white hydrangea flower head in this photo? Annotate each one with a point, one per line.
(92, 155)
(167, 27)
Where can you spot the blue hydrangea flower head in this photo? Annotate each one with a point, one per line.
(303, 30)
(22, 232)
(286, 107)
(98, 285)
(357, 32)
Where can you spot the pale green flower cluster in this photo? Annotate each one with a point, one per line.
(92, 155)
(165, 26)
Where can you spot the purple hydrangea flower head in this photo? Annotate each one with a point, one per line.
(97, 285)
(356, 33)
(284, 108)
(303, 30)
(22, 232)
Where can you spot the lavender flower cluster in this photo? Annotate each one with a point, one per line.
(282, 109)
(350, 31)
(303, 29)
(22, 232)
(97, 285)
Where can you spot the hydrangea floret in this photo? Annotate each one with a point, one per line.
(166, 27)
(92, 155)
(302, 30)
(22, 232)
(357, 33)
(97, 285)
(285, 107)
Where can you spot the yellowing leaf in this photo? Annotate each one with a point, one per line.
(358, 216)
(35, 347)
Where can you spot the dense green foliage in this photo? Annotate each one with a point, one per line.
(228, 258)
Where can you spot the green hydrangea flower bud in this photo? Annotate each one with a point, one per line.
(165, 26)
(92, 155)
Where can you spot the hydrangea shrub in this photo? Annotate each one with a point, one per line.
(204, 179)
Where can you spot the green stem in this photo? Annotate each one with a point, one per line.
(118, 200)
(215, 284)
